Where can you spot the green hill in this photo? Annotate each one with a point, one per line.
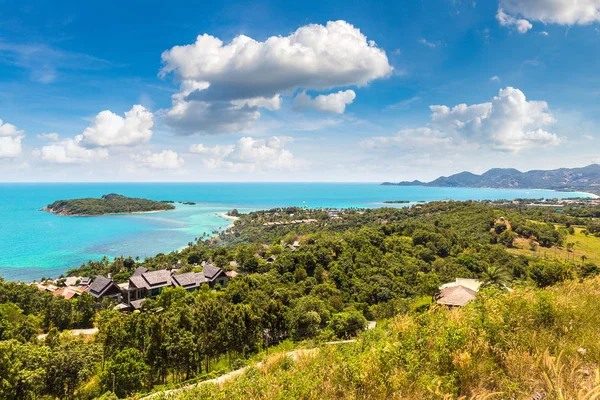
(107, 204)
(527, 344)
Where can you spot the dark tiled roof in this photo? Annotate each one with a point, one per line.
(210, 271)
(189, 279)
(137, 304)
(159, 278)
(99, 286)
(138, 282)
(139, 271)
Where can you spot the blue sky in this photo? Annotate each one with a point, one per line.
(310, 91)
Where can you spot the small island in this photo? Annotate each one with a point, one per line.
(107, 204)
(396, 202)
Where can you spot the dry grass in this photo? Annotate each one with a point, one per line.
(584, 245)
(528, 344)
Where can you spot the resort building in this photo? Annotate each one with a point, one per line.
(145, 284)
(458, 293)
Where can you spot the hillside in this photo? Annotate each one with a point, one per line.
(527, 344)
(585, 179)
(107, 204)
(303, 278)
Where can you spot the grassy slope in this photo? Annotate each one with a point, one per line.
(505, 345)
(584, 245)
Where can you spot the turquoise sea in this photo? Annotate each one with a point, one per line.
(34, 243)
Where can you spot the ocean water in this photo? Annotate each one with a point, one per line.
(35, 243)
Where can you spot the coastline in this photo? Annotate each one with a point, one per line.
(230, 218)
(60, 214)
(58, 244)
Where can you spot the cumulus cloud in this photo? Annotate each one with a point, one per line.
(10, 140)
(509, 122)
(48, 136)
(331, 103)
(562, 12)
(521, 25)
(10, 147)
(166, 159)
(249, 154)
(70, 151)
(237, 79)
(7, 129)
(189, 117)
(109, 129)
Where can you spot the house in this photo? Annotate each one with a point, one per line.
(103, 287)
(145, 284)
(458, 293)
(473, 284)
(190, 280)
(455, 296)
(68, 292)
(139, 271)
(77, 281)
(214, 275)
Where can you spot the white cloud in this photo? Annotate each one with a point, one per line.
(10, 147)
(7, 129)
(495, 79)
(274, 103)
(331, 103)
(588, 137)
(48, 136)
(70, 151)
(10, 140)
(249, 154)
(109, 129)
(563, 12)
(225, 85)
(509, 122)
(425, 42)
(521, 25)
(409, 139)
(544, 33)
(166, 159)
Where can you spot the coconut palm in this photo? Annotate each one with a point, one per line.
(496, 276)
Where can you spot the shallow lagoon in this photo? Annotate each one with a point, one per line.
(34, 243)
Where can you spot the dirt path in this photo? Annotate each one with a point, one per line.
(230, 375)
(74, 332)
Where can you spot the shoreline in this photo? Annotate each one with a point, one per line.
(223, 215)
(228, 217)
(60, 214)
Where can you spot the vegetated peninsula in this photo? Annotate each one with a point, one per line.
(585, 179)
(107, 204)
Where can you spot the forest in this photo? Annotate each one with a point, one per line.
(107, 204)
(306, 277)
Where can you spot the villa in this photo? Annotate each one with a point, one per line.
(458, 293)
(145, 284)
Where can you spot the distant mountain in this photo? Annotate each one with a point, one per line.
(586, 178)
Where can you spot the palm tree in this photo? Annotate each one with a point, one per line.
(583, 259)
(495, 276)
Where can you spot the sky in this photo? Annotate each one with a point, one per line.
(295, 91)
